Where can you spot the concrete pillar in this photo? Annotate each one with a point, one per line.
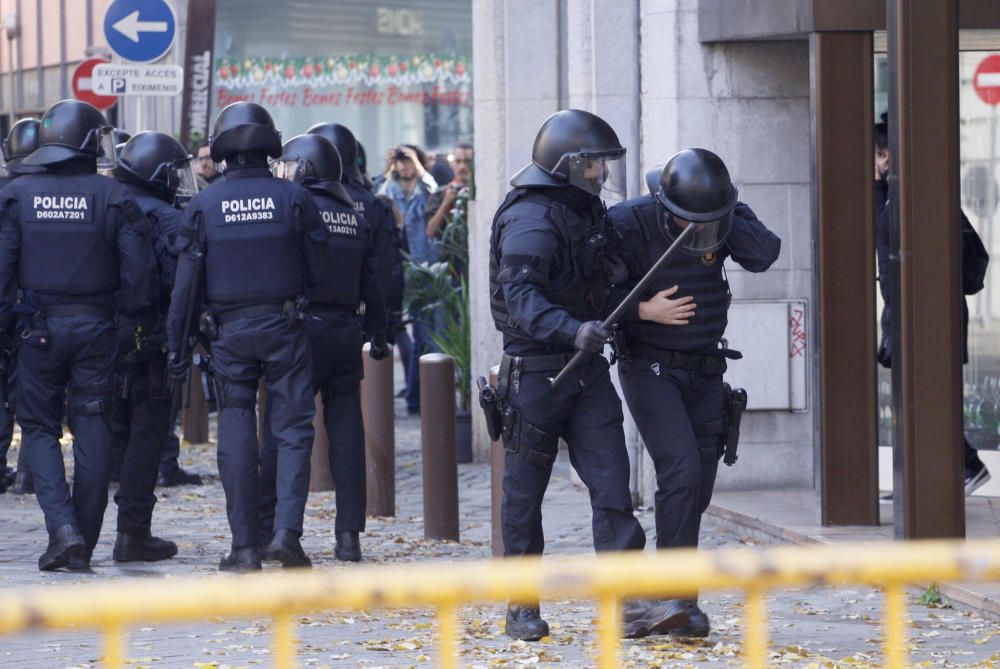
(603, 70)
(516, 55)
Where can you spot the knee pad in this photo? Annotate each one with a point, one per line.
(235, 394)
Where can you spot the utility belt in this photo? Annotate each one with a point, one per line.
(706, 364)
(90, 310)
(323, 309)
(294, 310)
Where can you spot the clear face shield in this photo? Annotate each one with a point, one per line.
(290, 169)
(184, 176)
(708, 236)
(4, 157)
(107, 152)
(601, 174)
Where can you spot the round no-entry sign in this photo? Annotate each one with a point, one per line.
(986, 80)
(83, 89)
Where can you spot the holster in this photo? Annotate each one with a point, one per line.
(736, 404)
(490, 405)
(517, 433)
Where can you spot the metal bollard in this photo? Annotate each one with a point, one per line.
(437, 440)
(496, 481)
(378, 410)
(195, 416)
(320, 476)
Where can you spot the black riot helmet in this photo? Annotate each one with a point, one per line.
(21, 141)
(347, 145)
(362, 163)
(73, 129)
(576, 148)
(157, 161)
(695, 188)
(312, 160)
(244, 127)
(120, 137)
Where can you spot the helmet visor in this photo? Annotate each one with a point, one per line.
(289, 169)
(184, 176)
(107, 151)
(601, 174)
(708, 236)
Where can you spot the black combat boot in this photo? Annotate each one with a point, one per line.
(525, 623)
(64, 543)
(286, 549)
(80, 562)
(142, 548)
(643, 617)
(241, 560)
(348, 548)
(698, 625)
(178, 477)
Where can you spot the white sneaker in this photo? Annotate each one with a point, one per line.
(974, 482)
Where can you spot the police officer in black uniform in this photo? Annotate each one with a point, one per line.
(548, 289)
(671, 350)
(20, 142)
(259, 237)
(154, 168)
(336, 334)
(71, 240)
(387, 237)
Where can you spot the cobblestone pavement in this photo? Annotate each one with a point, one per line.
(809, 628)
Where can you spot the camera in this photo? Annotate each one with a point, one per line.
(399, 154)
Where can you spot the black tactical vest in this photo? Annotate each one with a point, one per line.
(253, 249)
(577, 275)
(701, 277)
(66, 245)
(338, 284)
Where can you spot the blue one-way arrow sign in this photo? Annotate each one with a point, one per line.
(140, 30)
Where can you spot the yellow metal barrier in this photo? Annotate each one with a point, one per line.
(609, 578)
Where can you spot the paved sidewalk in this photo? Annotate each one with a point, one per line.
(809, 628)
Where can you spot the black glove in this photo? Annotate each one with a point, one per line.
(591, 337)
(379, 349)
(616, 268)
(177, 366)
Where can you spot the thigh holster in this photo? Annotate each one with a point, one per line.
(711, 439)
(540, 447)
(234, 394)
(92, 399)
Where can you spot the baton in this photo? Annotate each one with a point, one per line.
(619, 311)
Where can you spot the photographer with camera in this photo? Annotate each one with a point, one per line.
(409, 185)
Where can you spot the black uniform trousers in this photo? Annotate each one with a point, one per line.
(171, 453)
(80, 355)
(7, 419)
(589, 418)
(247, 349)
(335, 342)
(669, 407)
(145, 417)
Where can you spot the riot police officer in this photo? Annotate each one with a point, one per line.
(70, 240)
(348, 278)
(250, 239)
(548, 284)
(155, 168)
(20, 142)
(671, 350)
(387, 236)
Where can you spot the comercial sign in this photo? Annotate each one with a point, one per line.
(137, 79)
(196, 104)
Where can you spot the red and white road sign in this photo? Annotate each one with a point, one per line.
(986, 80)
(83, 88)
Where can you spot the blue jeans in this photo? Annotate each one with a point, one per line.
(423, 323)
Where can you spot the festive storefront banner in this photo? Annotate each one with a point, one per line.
(345, 70)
